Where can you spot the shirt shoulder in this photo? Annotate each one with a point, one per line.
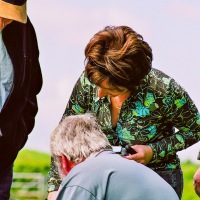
(162, 83)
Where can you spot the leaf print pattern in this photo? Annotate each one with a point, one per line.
(149, 116)
(140, 110)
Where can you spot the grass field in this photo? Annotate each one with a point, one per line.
(33, 161)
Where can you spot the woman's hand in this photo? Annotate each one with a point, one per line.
(52, 195)
(144, 154)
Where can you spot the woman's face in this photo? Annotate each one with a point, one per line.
(104, 89)
(4, 22)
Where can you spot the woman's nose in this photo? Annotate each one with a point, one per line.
(101, 93)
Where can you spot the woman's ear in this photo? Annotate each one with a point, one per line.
(66, 164)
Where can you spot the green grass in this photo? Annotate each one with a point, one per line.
(33, 161)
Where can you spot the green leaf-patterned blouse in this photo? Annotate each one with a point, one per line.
(149, 116)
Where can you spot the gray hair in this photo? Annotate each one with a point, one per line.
(77, 137)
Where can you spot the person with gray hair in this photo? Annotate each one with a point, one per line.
(90, 170)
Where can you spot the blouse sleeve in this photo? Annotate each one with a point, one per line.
(184, 116)
(78, 103)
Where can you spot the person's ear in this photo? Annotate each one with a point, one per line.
(66, 164)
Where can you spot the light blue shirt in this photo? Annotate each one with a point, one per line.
(109, 176)
(6, 73)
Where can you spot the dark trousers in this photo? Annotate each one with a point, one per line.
(5, 183)
(174, 178)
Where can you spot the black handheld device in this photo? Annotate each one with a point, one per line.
(123, 149)
(129, 150)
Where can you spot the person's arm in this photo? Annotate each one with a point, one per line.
(197, 182)
(53, 178)
(182, 114)
(52, 195)
(78, 103)
(31, 107)
(196, 179)
(79, 100)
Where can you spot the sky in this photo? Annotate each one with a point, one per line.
(64, 27)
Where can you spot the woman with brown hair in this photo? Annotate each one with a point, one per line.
(134, 103)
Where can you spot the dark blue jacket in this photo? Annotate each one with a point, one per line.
(17, 117)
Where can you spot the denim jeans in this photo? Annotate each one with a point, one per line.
(5, 183)
(174, 178)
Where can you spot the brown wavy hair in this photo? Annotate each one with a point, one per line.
(119, 54)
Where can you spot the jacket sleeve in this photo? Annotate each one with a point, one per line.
(184, 116)
(53, 178)
(31, 106)
(80, 97)
(77, 104)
